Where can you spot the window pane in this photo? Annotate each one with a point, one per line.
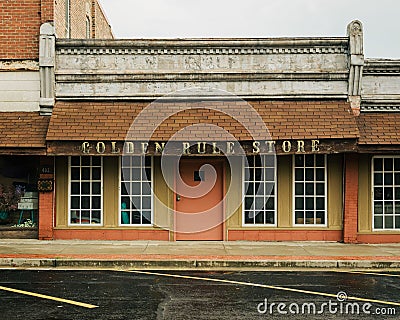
(136, 161)
(146, 203)
(96, 173)
(146, 188)
(320, 203)
(397, 222)
(85, 203)
(397, 179)
(96, 161)
(135, 187)
(85, 161)
(389, 193)
(388, 164)
(299, 188)
(259, 203)
(75, 174)
(85, 187)
(96, 217)
(320, 217)
(248, 217)
(378, 164)
(96, 202)
(309, 160)
(136, 174)
(389, 222)
(299, 217)
(85, 173)
(378, 222)
(136, 203)
(299, 174)
(388, 209)
(146, 219)
(378, 207)
(75, 188)
(388, 178)
(309, 188)
(397, 164)
(378, 179)
(126, 174)
(249, 187)
(320, 160)
(378, 193)
(75, 161)
(96, 188)
(136, 217)
(248, 203)
(260, 188)
(309, 203)
(259, 218)
(270, 204)
(320, 174)
(270, 218)
(299, 161)
(299, 203)
(269, 175)
(75, 202)
(320, 189)
(309, 174)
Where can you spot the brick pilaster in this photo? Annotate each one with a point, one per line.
(46, 201)
(350, 218)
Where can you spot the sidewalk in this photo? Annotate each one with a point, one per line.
(197, 255)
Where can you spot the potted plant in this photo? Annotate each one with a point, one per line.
(9, 197)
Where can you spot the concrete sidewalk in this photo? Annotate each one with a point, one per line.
(197, 255)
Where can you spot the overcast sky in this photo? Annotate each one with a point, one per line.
(258, 18)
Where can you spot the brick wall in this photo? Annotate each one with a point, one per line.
(80, 10)
(46, 204)
(350, 219)
(100, 25)
(19, 24)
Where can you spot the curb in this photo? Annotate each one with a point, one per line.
(197, 264)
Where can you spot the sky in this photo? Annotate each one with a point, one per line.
(258, 19)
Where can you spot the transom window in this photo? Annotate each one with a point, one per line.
(309, 190)
(85, 189)
(259, 187)
(386, 193)
(136, 187)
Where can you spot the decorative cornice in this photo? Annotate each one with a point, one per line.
(380, 108)
(382, 66)
(204, 46)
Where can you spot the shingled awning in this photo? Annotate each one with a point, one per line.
(380, 131)
(23, 133)
(290, 120)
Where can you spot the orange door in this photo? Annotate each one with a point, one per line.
(199, 200)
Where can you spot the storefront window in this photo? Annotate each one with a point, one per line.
(85, 189)
(136, 190)
(309, 190)
(259, 187)
(386, 193)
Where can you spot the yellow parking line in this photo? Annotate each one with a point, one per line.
(264, 286)
(372, 273)
(38, 295)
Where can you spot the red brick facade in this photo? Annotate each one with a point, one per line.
(46, 204)
(350, 219)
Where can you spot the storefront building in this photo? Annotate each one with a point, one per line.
(224, 140)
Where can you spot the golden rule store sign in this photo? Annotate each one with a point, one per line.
(212, 148)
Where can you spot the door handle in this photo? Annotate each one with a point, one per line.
(178, 197)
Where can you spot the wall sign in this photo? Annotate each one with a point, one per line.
(199, 147)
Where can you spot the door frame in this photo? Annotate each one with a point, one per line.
(211, 160)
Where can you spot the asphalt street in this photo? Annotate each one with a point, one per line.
(94, 294)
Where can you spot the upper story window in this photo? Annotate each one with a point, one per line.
(260, 190)
(309, 186)
(386, 192)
